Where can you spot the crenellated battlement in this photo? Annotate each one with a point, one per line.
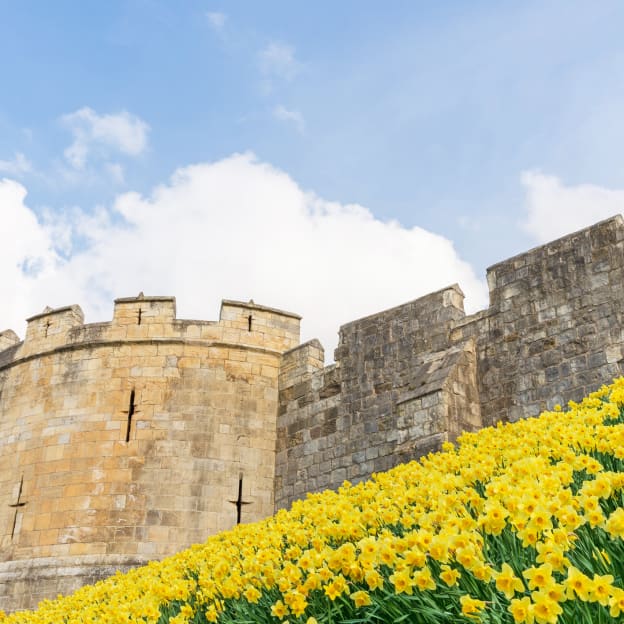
(142, 310)
(8, 338)
(143, 318)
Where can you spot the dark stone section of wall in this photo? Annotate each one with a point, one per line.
(407, 379)
(558, 320)
(554, 330)
(8, 354)
(354, 418)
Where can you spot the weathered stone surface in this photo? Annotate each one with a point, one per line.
(85, 487)
(403, 391)
(415, 376)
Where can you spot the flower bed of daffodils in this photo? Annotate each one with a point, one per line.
(519, 523)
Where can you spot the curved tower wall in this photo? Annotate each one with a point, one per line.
(127, 441)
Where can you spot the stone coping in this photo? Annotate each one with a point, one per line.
(250, 305)
(456, 287)
(166, 298)
(52, 312)
(615, 220)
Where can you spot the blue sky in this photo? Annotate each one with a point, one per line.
(332, 158)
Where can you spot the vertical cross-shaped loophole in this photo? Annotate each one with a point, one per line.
(47, 327)
(249, 321)
(16, 505)
(239, 502)
(140, 315)
(130, 414)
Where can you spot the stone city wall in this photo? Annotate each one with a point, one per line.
(410, 378)
(394, 393)
(126, 441)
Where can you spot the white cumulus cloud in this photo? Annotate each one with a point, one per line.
(101, 134)
(554, 209)
(242, 229)
(17, 166)
(27, 256)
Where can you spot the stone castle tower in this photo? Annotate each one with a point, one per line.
(125, 441)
